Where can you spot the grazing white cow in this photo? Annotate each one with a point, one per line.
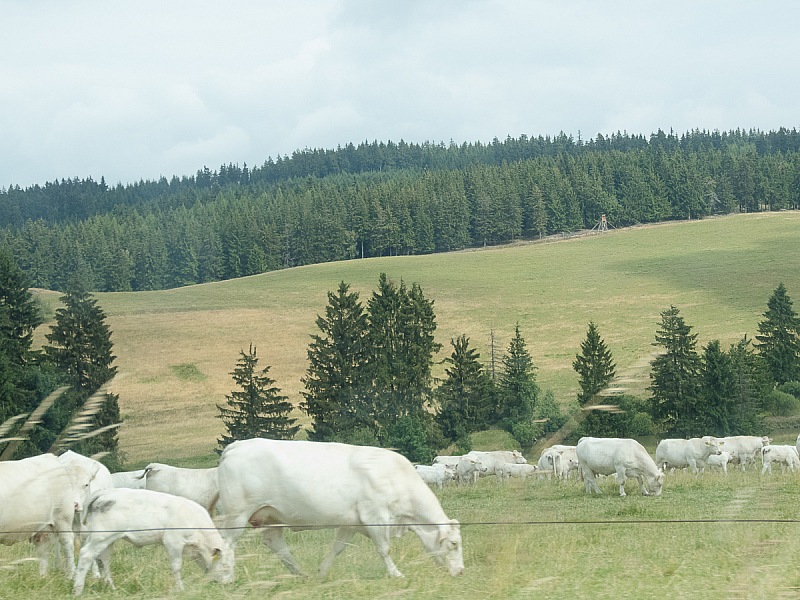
(786, 456)
(39, 496)
(494, 460)
(625, 457)
(199, 485)
(355, 489)
(744, 448)
(692, 453)
(435, 474)
(143, 517)
(134, 480)
(469, 468)
(720, 460)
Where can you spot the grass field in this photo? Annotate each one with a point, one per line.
(175, 349)
(522, 539)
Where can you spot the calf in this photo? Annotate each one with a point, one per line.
(435, 475)
(784, 455)
(144, 517)
(720, 460)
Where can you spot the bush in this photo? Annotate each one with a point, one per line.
(791, 387)
(782, 404)
(526, 433)
(409, 437)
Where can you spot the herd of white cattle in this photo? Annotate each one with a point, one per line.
(274, 485)
(269, 484)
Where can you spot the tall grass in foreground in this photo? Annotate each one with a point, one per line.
(512, 551)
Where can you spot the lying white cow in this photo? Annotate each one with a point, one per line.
(356, 489)
(744, 449)
(199, 485)
(494, 460)
(143, 517)
(720, 460)
(625, 457)
(435, 474)
(786, 456)
(518, 470)
(692, 453)
(134, 480)
(39, 496)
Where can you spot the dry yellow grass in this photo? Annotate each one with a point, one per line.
(175, 349)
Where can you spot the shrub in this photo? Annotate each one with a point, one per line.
(782, 404)
(791, 387)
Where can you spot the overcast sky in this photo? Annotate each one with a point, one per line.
(134, 90)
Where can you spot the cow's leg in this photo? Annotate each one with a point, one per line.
(380, 537)
(767, 467)
(273, 537)
(86, 558)
(621, 481)
(42, 541)
(343, 537)
(67, 539)
(175, 553)
(590, 482)
(105, 560)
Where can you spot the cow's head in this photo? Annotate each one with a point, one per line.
(220, 565)
(448, 550)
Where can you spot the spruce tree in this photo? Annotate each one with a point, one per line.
(779, 339)
(594, 365)
(518, 390)
(257, 409)
(675, 374)
(465, 395)
(336, 396)
(401, 338)
(80, 349)
(716, 412)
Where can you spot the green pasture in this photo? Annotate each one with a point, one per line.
(176, 348)
(710, 536)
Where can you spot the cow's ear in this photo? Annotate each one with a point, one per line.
(216, 554)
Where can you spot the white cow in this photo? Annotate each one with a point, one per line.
(199, 485)
(518, 470)
(549, 462)
(783, 455)
(355, 489)
(720, 460)
(797, 443)
(435, 474)
(39, 496)
(569, 460)
(469, 468)
(744, 448)
(143, 517)
(448, 461)
(129, 479)
(625, 457)
(692, 453)
(494, 460)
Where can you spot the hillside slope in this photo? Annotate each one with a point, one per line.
(176, 348)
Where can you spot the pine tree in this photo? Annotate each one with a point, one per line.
(595, 365)
(465, 396)
(675, 374)
(257, 409)
(336, 395)
(81, 349)
(517, 388)
(716, 411)
(19, 317)
(401, 338)
(779, 339)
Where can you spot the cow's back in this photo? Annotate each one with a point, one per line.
(605, 455)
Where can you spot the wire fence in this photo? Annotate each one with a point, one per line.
(409, 525)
